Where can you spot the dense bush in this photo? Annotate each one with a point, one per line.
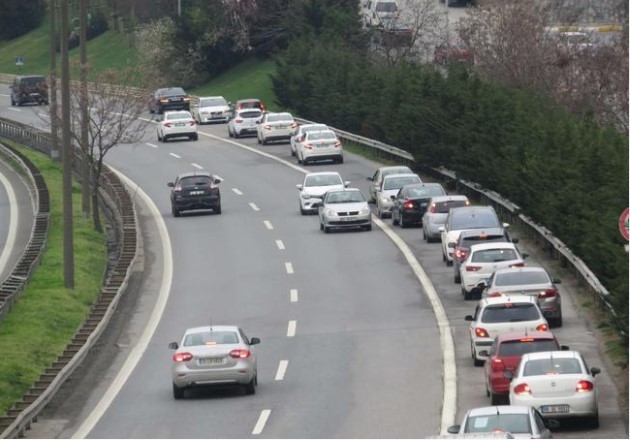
(18, 17)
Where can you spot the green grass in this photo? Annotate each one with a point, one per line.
(47, 314)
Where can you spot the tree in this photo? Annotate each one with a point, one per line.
(18, 17)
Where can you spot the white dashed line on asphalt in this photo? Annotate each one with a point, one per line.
(175, 155)
(262, 420)
(280, 245)
(237, 191)
(294, 295)
(268, 224)
(291, 329)
(254, 207)
(152, 145)
(199, 167)
(288, 267)
(282, 369)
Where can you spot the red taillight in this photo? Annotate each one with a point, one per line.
(309, 146)
(408, 204)
(182, 357)
(584, 386)
(481, 332)
(497, 364)
(267, 127)
(168, 124)
(294, 125)
(494, 294)
(192, 123)
(521, 389)
(240, 354)
(238, 121)
(548, 293)
(472, 268)
(432, 208)
(460, 253)
(338, 144)
(542, 328)
(187, 98)
(517, 265)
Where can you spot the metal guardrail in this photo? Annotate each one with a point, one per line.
(118, 202)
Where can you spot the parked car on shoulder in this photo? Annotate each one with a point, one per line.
(276, 127)
(29, 89)
(244, 122)
(412, 201)
(436, 213)
(176, 124)
(390, 187)
(169, 98)
(206, 109)
(195, 190)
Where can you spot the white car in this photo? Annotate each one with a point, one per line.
(517, 421)
(390, 187)
(298, 137)
(344, 209)
(465, 217)
(276, 127)
(558, 384)
(178, 123)
(377, 178)
(502, 314)
(482, 260)
(244, 122)
(315, 185)
(320, 145)
(210, 109)
(379, 12)
(435, 216)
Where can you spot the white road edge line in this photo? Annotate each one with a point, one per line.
(14, 109)
(282, 369)
(254, 207)
(262, 420)
(294, 295)
(199, 167)
(137, 351)
(152, 145)
(291, 329)
(268, 224)
(175, 155)
(13, 222)
(280, 245)
(237, 191)
(289, 267)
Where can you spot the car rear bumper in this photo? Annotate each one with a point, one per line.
(209, 202)
(242, 373)
(579, 406)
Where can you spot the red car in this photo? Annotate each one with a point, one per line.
(505, 355)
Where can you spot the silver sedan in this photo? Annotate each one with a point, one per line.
(214, 355)
(341, 209)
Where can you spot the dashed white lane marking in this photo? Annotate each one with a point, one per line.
(262, 420)
(199, 167)
(288, 267)
(237, 191)
(282, 369)
(175, 155)
(152, 145)
(291, 329)
(280, 245)
(254, 207)
(268, 224)
(294, 295)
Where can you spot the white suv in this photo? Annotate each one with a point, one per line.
(502, 314)
(276, 127)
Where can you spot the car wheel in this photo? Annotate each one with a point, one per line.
(394, 221)
(259, 141)
(230, 133)
(195, 137)
(292, 152)
(448, 262)
(302, 211)
(164, 138)
(368, 228)
(326, 229)
(178, 393)
(457, 278)
(557, 322)
(402, 221)
(497, 399)
(264, 141)
(250, 388)
(594, 421)
(467, 295)
(175, 211)
(236, 135)
(443, 256)
(12, 101)
(159, 137)
(299, 161)
(340, 159)
(321, 226)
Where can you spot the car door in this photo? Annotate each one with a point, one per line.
(397, 203)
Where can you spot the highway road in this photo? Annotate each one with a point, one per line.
(344, 312)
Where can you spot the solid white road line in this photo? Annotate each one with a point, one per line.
(13, 222)
(288, 267)
(199, 167)
(237, 191)
(43, 115)
(282, 369)
(152, 145)
(291, 329)
(137, 351)
(262, 420)
(268, 224)
(280, 245)
(175, 155)
(254, 207)
(14, 109)
(294, 295)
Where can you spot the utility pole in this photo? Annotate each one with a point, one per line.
(54, 120)
(67, 152)
(85, 163)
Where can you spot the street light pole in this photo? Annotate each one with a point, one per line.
(85, 163)
(52, 96)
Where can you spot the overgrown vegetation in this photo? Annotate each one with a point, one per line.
(17, 17)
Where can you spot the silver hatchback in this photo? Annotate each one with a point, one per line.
(214, 355)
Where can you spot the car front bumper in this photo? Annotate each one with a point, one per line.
(354, 221)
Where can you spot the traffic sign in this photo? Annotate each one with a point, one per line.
(624, 226)
(19, 61)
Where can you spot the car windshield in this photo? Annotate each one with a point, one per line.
(307, 128)
(514, 423)
(425, 191)
(210, 338)
(494, 255)
(176, 116)
(443, 207)
(35, 81)
(250, 114)
(323, 180)
(321, 136)
(551, 366)
(521, 278)
(386, 7)
(399, 182)
(474, 220)
(189, 182)
(212, 102)
(509, 312)
(345, 197)
(279, 117)
(396, 170)
(526, 345)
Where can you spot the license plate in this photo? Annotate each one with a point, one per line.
(346, 219)
(281, 127)
(211, 361)
(323, 145)
(554, 409)
(195, 193)
(180, 124)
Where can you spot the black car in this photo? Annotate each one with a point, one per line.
(476, 236)
(412, 201)
(195, 190)
(171, 98)
(29, 89)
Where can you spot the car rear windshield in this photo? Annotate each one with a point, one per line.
(521, 278)
(307, 128)
(279, 117)
(174, 92)
(514, 423)
(443, 207)
(345, 197)
(321, 136)
(188, 182)
(386, 7)
(426, 191)
(215, 102)
(399, 182)
(249, 104)
(474, 220)
(323, 180)
(494, 255)
(250, 114)
(526, 345)
(29, 82)
(510, 312)
(210, 338)
(396, 170)
(177, 116)
(542, 367)
(467, 242)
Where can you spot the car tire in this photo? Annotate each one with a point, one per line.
(176, 212)
(340, 160)
(250, 388)
(299, 161)
(593, 422)
(368, 228)
(259, 141)
(302, 211)
(236, 135)
(557, 322)
(457, 278)
(264, 141)
(443, 256)
(321, 226)
(217, 210)
(497, 399)
(467, 295)
(449, 263)
(178, 393)
(326, 229)
(230, 133)
(164, 139)
(195, 137)
(292, 152)
(394, 221)
(403, 225)
(159, 137)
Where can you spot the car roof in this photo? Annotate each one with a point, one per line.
(209, 328)
(420, 184)
(471, 209)
(323, 173)
(30, 76)
(211, 97)
(194, 174)
(243, 110)
(344, 190)
(503, 409)
(520, 269)
(515, 336)
(313, 126)
(494, 245)
(394, 176)
(565, 354)
(391, 167)
(504, 299)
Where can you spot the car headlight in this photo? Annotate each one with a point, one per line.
(386, 199)
(330, 212)
(306, 196)
(364, 211)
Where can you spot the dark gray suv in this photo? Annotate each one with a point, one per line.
(29, 89)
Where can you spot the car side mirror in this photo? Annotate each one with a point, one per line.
(346, 183)
(595, 371)
(254, 341)
(371, 179)
(453, 429)
(451, 245)
(484, 353)
(509, 375)
(564, 347)
(173, 345)
(556, 281)
(299, 186)
(392, 197)
(525, 256)
(469, 318)
(217, 180)
(515, 240)
(170, 184)
(552, 423)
